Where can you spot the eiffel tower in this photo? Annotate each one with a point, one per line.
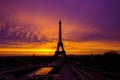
(60, 53)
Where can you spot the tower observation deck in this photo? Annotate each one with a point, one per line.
(60, 52)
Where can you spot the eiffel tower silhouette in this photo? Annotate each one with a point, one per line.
(58, 52)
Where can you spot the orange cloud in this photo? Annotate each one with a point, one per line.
(48, 48)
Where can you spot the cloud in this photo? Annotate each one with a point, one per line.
(20, 33)
(83, 20)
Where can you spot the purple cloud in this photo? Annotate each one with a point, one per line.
(93, 14)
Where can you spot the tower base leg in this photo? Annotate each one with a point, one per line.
(60, 54)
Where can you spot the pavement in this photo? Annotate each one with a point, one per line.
(65, 73)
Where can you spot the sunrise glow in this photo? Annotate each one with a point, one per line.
(31, 27)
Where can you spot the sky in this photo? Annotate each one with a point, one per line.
(89, 26)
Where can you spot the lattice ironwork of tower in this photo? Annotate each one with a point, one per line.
(60, 52)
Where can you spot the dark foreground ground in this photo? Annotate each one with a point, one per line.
(109, 62)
